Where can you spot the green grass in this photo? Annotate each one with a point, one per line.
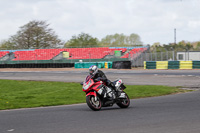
(26, 94)
(142, 91)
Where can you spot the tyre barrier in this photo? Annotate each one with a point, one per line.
(150, 65)
(38, 65)
(121, 65)
(171, 64)
(196, 65)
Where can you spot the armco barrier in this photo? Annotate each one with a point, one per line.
(64, 61)
(88, 64)
(171, 64)
(84, 64)
(40, 65)
(121, 65)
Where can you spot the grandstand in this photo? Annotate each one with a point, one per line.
(70, 55)
(134, 51)
(3, 53)
(73, 53)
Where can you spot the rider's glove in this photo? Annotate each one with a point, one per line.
(112, 84)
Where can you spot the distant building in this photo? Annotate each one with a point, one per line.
(188, 56)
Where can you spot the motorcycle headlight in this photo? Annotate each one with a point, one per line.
(86, 86)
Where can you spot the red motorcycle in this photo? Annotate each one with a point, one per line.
(99, 95)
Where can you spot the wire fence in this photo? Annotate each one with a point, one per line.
(138, 59)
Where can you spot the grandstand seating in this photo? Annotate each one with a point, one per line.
(74, 53)
(134, 51)
(91, 53)
(3, 53)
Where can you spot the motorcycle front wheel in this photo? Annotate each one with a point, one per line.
(125, 102)
(92, 103)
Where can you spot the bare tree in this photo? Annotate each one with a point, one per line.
(36, 34)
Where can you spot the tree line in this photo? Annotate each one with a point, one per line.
(37, 35)
(180, 46)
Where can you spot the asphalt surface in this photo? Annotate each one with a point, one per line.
(185, 78)
(178, 113)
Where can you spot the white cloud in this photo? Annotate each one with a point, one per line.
(153, 20)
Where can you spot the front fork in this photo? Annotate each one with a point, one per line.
(95, 96)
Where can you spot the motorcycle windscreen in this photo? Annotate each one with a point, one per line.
(122, 87)
(88, 78)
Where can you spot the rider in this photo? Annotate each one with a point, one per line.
(98, 75)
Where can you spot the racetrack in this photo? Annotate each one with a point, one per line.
(167, 114)
(178, 113)
(185, 78)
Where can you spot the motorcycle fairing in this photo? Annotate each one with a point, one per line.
(91, 93)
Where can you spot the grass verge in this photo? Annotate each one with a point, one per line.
(27, 94)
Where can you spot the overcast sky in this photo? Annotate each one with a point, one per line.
(153, 20)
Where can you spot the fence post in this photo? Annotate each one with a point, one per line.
(18, 58)
(145, 56)
(137, 59)
(36, 58)
(142, 59)
(54, 57)
(90, 56)
(167, 55)
(71, 59)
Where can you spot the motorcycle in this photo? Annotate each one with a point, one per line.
(99, 95)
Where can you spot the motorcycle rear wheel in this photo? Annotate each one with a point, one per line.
(124, 103)
(94, 105)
